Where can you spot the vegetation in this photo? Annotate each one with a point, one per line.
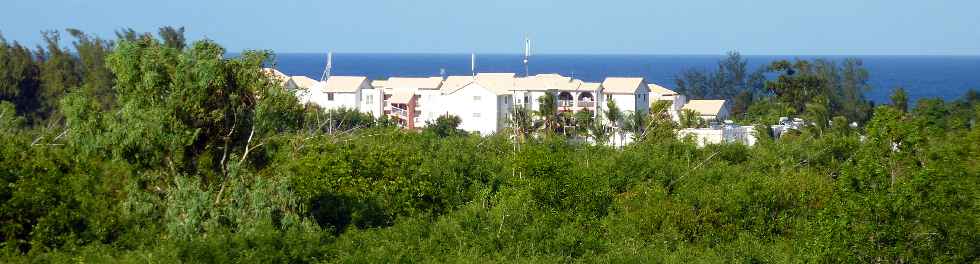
(180, 154)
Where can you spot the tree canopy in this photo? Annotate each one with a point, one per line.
(158, 152)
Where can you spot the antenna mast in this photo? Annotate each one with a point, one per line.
(473, 63)
(527, 54)
(326, 70)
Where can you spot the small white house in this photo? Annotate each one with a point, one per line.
(303, 87)
(676, 100)
(630, 94)
(345, 92)
(709, 110)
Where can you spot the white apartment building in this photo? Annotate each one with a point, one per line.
(484, 102)
(412, 101)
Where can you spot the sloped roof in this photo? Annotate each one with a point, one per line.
(344, 84)
(276, 74)
(544, 82)
(454, 83)
(303, 82)
(621, 85)
(413, 83)
(655, 88)
(497, 74)
(402, 96)
(498, 83)
(379, 83)
(590, 86)
(706, 107)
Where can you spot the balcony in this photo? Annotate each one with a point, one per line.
(566, 103)
(402, 113)
(586, 104)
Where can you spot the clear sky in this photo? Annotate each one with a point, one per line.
(825, 27)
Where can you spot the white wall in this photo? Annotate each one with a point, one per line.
(340, 100)
(431, 106)
(476, 106)
(372, 102)
(625, 102)
(504, 104)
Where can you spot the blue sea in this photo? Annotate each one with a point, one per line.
(946, 77)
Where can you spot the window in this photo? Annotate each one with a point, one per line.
(476, 115)
(369, 99)
(608, 97)
(329, 96)
(476, 98)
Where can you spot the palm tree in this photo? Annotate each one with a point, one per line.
(660, 124)
(548, 112)
(522, 122)
(613, 115)
(691, 119)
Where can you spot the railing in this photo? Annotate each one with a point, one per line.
(586, 103)
(566, 103)
(399, 112)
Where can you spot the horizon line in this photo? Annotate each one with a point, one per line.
(628, 54)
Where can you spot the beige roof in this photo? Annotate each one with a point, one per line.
(303, 82)
(498, 83)
(543, 82)
(454, 83)
(276, 74)
(706, 107)
(402, 96)
(345, 84)
(655, 88)
(379, 83)
(413, 83)
(497, 74)
(589, 86)
(621, 85)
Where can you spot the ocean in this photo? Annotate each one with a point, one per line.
(946, 77)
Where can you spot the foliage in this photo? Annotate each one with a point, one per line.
(194, 157)
(900, 99)
(445, 125)
(731, 81)
(691, 119)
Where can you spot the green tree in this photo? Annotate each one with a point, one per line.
(58, 72)
(97, 80)
(691, 119)
(900, 99)
(173, 37)
(19, 80)
(445, 126)
(548, 113)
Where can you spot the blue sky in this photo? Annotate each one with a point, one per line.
(827, 27)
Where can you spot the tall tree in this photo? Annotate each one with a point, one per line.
(173, 37)
(97, 80)
(58, 72)
(548, 112)
(900, 99)
(19, 80)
